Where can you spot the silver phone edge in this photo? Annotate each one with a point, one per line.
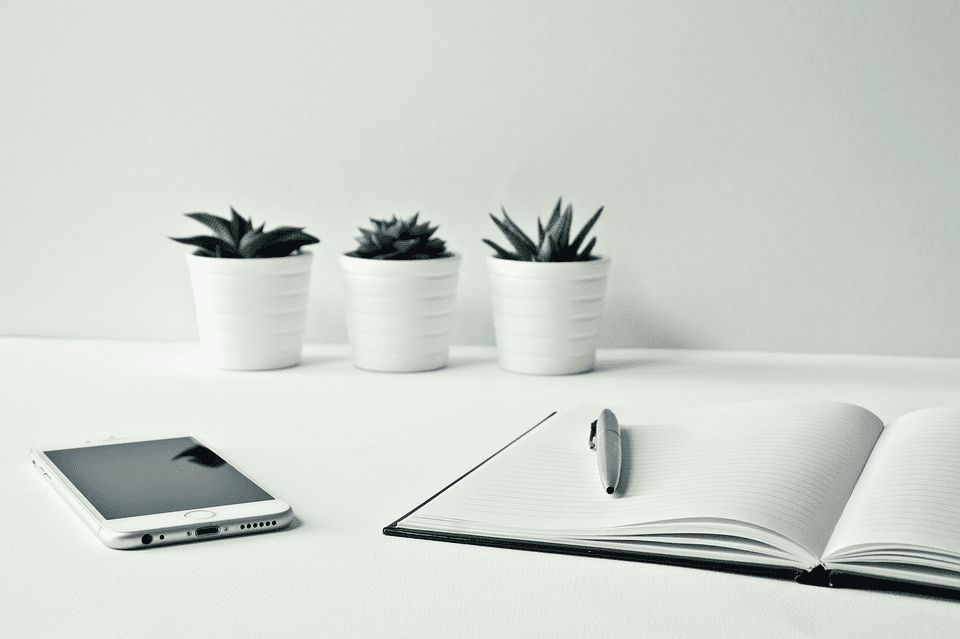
(133, 540)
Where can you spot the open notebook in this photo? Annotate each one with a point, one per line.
(798, 487)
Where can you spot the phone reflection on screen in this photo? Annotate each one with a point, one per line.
(201, 455)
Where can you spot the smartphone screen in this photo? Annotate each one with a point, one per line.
(152, 477)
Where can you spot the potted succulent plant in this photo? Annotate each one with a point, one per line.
(547, 296)
(251, 288)
(401, 285)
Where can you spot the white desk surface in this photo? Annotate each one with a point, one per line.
(303, 430)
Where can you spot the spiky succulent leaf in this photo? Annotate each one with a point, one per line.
(238, 226)
(556, 253)
(219, 226)
(435, 244)
(250, 243)
(526, 251)
(209, 245)
(282, 241)
(566, 221)
(283, 248)
(238, 238)
(545, 252)
(526, 245)
(553, 243)
(502, 252)
(585, 254)
(399, 239)
(555, 215)
(582, 235)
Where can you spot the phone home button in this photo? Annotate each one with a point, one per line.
(200, 514)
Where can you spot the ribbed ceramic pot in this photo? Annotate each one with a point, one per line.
(251, 312)
(400, 312)
(546, 315)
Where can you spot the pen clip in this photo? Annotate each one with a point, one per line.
(593, 434)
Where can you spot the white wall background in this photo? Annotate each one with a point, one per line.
(776, 175)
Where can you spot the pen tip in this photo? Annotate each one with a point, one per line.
(609, 490)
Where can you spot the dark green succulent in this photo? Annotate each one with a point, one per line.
(237, 238)
(395, 239)
(553, 243)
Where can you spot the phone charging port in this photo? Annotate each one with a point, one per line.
(207, 530)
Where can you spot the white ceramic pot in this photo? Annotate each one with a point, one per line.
(546, 315)
(251, 312)
(400, 312)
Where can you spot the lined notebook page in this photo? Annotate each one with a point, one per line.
(786, 466)
(910, 491)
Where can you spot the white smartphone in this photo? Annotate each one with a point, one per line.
(141, 493)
